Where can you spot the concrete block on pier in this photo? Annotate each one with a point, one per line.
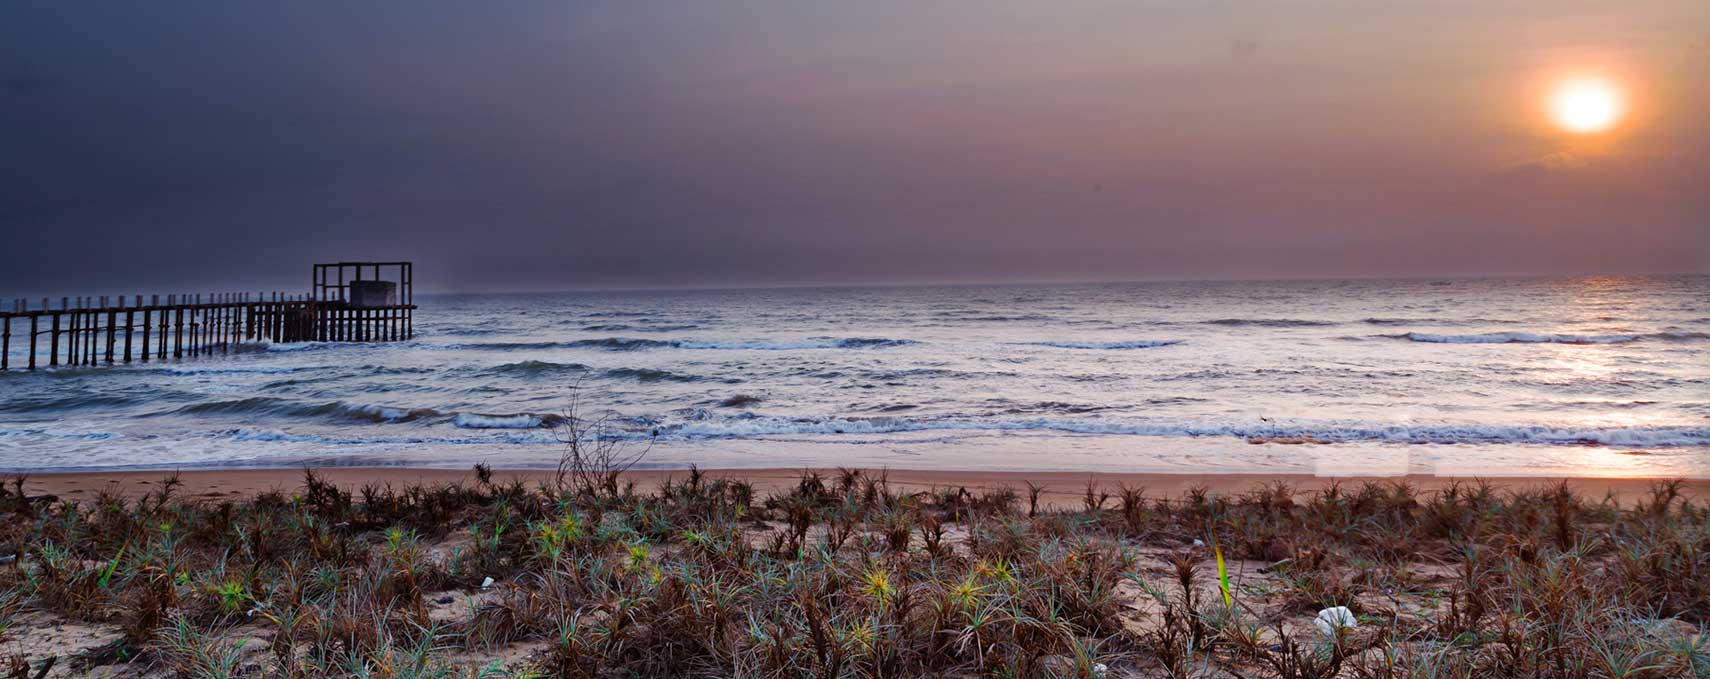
(369, 294)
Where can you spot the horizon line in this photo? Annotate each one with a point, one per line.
(808, 285)
(1057, 282)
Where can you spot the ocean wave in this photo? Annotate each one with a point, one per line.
(1120, 344)
(40, 402)
(1270, 322)
(255, 408)
(982, 317)
(810, 343)
(496, 436)
(1321, 432)
(1057, 407)
(278, 407)
(534, 369)
(901, 375)
(270, 435)
(740, 401)
(57, 434)
(369, 413)
(475, 330)
(1544, 338)
(650, 375)
(264, 345)
(634, 344)
(619, 327)
(609, 343)
(700, 424)
(246, 370)
(1578, 404)
(514, 421)
(538, 369)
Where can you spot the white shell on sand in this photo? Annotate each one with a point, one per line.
(1336, 617)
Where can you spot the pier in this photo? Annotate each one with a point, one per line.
(346, 302)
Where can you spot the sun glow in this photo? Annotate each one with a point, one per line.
(1586, 105)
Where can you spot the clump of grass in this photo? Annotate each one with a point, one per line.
(845, 575)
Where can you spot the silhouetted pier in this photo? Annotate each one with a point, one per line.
(347, 302)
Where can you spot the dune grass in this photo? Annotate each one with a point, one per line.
(844, 576)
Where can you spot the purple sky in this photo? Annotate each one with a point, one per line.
(633, 143)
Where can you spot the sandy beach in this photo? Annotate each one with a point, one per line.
(491, 572)
(1063, 489)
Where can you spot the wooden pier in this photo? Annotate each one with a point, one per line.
(90, 331)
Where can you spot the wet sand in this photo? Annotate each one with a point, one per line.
(1062, 488)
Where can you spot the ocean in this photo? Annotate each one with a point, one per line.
(1491, 377)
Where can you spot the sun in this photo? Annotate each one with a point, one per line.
(1586, 105)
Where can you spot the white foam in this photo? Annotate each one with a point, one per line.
(255, 370)
(386, 413)
(270, 435)
(280, 436)
(57, 434)
(1519, 338)
(478, 421)
(1327, 432)
(634, 344)
(787, 345)
(264, 345)
(1121, 344)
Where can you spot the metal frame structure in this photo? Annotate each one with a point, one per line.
(327, 289)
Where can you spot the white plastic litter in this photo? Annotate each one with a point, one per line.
(489, 583)
(1334, 618)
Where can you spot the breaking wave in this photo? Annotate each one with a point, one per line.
(278, 407)
(1269, 322)
(479, 421)
(705, 426)
(1327, 432)
(1122, 344)
(539, 369)
(488, 437)
(619, 327)
(608, 343)
(810, 343)
(242, 370)
(634, 344)
(1538, 338)
(338, 411)
(58, 434)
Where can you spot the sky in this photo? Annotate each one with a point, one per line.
(229, 144)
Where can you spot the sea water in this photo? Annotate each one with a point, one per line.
(1546, 376)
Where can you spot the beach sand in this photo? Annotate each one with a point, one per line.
(1063, 489)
